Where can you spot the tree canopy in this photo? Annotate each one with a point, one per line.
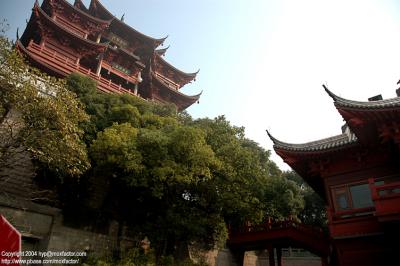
(40, 115)
(175, 179)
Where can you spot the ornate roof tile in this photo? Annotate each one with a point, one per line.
(343, 140)
(373, 105)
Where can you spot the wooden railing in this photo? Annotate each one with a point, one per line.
(386, 197)
(118, 72)
(167, 81)
(286, 233)
(275, 225)
(66, 66)
(383, 190)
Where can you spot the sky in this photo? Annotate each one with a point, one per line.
(263, 62)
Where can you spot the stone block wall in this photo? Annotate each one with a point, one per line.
(224, 257)
(42, 229)
(64, 238)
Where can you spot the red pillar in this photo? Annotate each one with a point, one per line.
(271, 257)
(238, 256)
(324, 261)
(279, 256)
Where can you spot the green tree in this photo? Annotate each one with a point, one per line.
(314, 211)
(105, 109)
(165, 173)
(248, 180)
(177, 180)
(39, 115)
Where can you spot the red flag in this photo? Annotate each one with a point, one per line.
(10, 243)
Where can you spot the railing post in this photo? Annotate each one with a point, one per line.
(238, 256)
(271, 257)
(279, 256)
(374, 193)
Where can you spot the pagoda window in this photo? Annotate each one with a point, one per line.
(341, 199)
(352, 197)
(361, 196)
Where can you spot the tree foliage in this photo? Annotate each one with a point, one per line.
(40, 115)
(177, 180)
(314, 211)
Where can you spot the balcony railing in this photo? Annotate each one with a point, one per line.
(167, 81)
(288, 232)
(118, 72)
(353, 222)
(386, 196)
(66, 66)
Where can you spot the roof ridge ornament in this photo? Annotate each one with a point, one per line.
(162, 40)
(331, 94)
(162, 51)
(272, 138)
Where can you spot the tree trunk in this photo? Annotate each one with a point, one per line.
(181, 252)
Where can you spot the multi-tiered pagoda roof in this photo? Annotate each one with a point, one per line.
(368, 125)
(61, 38)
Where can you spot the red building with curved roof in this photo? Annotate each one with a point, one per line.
(61, 38)
(358, 174)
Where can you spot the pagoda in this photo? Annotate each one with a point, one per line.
(61, 38)
(357, 173)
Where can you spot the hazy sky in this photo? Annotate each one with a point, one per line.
(262, 62)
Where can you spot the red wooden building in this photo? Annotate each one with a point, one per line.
(62, 38)
(358, 175)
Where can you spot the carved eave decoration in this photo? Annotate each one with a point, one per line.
(162, 92)
(167, 70)
(98, 10)
(161, 52)
(50, 28)
(90, 24)
(79, 4)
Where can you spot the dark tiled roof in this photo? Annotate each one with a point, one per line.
(80, 9)
(162, 52)
(380, 104)
(334, 142)
(190, 76)
(184, 101)
(95, 4)
(192, 97)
